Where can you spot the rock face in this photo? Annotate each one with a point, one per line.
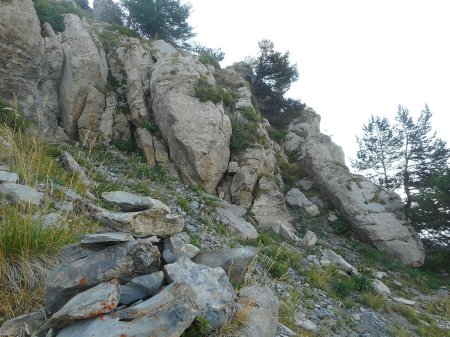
(30, 65)
(85, 70)
(269, 210)
(198, 133)
(375, 214)
(296, 198)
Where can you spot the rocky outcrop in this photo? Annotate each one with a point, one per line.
(30, 64)
(374, 213)
(270, 212)
(84, 74)
(198, 133)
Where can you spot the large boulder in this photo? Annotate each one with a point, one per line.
(84, 72)
(198, 133)
(213, 292)
(270, 211)
(262, 320)
(21, 193)
(374, 213)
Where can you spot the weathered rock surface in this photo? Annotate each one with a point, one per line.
(68, 162)
(234, 261)
(198, 133)
(167, 314)
(309, 240)
(98, 300)
(263, 318)
(145, 142)
(269, 210)
(381, 287)
(178, 245)
(21, 193)
(141, 287)
(91, 117)
(328, 256)
(236, 224)
(18, 326)
(241, 187)
(84, 70)
(8, 177)
(212, 290)
(30, 65)
(155, 221)
(375, 214)
(129, 202)
(296, 198)
(122, 261)
(106, 237)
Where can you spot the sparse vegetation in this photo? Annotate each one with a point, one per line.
(51, 11)
(207, 92)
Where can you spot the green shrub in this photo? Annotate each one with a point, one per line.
(343, 286)
(150, 126)
(206, 92)
(208, 59)
(199, 328)
(51, 11)
(250, 114)
(290, 172)
(244, 134)
(128, 146)
(340, 227)
(11, 117)
(277, 135)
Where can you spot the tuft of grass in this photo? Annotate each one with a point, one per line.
(238, 320)
(277, 135)
(208, 59)
(250, 114)
(244, 134)
(375, 301)
(199, 328)
(11, 117)
(183, 202)
(290, 172)
(206, 92)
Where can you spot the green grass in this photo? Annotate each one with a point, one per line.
(244, 134)
(277, 135)
(12, 117)
(51, 11)
(206, 92)
(250, 114)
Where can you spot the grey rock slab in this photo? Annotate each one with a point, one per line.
(305, 184)
(236, 225)
(213, 292)
(381, 287)
(98, 300)
(178, 245)
(168, 314)
(296, 198)
(309, 240)
(23, 325)
(130, 293)
(402, 300)
(21, 193)
(233, 167)
(234, 261)
(106, 237)
(130, 202)
(68, 162)
(155, 221)
(8, 177)
(333, 258)
(263, 317)
(152, 282)
(122, 261)
(270, 211)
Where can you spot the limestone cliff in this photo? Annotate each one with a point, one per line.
(100, 85)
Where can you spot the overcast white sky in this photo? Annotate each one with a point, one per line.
(355, 57)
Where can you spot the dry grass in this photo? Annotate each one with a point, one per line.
(240, 319)
(29, 249)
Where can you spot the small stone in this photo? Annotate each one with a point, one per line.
(380, 274)
(309, 240)
(403, 301)
(332, 257)
(356, 317)
(305, 184)
(8, 177)
(195, 204)
(233, 167)
(332, 217)
(381, 287)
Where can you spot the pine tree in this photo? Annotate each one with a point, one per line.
(378, 151)
(159, 19)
